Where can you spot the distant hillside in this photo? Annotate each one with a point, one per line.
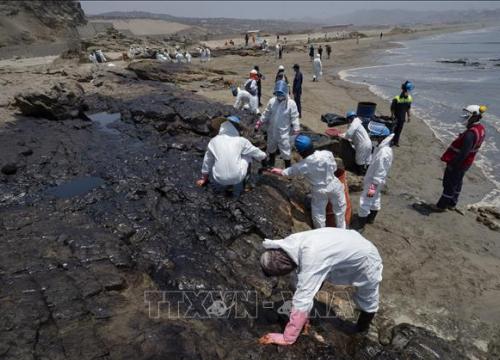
(35, 22)
(215, 26)
(407, 17)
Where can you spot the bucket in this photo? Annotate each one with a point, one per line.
(366, 109)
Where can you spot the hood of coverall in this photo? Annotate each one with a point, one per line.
(227, 128)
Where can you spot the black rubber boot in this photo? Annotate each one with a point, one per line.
(360, 223)
(288, 163)
(371, 218)
(272, 160)
(364, 321)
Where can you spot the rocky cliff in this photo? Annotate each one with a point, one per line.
(39, 22)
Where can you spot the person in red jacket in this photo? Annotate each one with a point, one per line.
(460, 155)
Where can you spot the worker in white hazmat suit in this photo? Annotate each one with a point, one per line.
(252, 88)
(357, 134)
(179, 58)
(376, 175)
(228, 158)
(317, 68)
(282, 120)
(343, 257)
(318, 167)
(244, 100)
(188, 57)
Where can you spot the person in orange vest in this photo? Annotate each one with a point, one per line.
(460, 155)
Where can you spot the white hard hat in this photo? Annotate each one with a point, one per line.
(475, 109)
(318, 56)
(281, 67)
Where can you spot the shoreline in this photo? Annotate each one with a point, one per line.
(343, 74)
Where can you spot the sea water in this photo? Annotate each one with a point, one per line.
(450, 71)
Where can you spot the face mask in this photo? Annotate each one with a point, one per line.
(281, 98)
(465, 118)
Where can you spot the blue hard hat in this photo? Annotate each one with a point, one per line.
(378, 129)
(408, 86)
(303, 143)
(350, 114)
(280, 88)
(234, 119)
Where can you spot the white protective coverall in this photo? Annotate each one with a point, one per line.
(203, 55)
(279, 118)
(361, 141)
(228, 155)
(244, 100)
(376, 174)
(179, 57)
(188, 57)
(254, 100)
(340, 256)
(100, 53)
(319, 170)
(317, 68)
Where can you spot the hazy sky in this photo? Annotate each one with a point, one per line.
(274, 9)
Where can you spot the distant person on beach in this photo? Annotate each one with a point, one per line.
(246, 39)
(281, 119)
(339, 256)
(357, 134)
(297, 88)
(460, 156)
(328, 50)
(260, 77)
(311, 52)
(317, 68)
(280, 52)
(376, 175)
(320, 52)
(280, 75)
(400, 109)
(228, 158)
(318, 167)
(381, 35)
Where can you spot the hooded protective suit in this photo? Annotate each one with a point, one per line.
(179, 57)
(317, 68)
(188, 57)
(280, 118)
(319, 170)
(343, 257)
(228, 156)
(361, 141)
(245, 101)
(376, 175)
(251, 86)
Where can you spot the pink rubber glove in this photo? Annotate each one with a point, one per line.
(202, 181)
(258, 124)
(277, 171)
(371, 190)
(292, 331)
